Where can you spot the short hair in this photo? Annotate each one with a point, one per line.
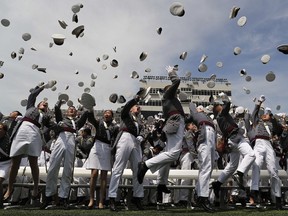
(5, 127)
(18, 113)
(109, 110)
(88, 131)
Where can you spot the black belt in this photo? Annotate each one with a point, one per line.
(68, 129)
(32, 121)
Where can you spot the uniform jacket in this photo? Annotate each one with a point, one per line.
(172, 108)
(274, 126)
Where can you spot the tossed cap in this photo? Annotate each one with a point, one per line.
(234, 11)
(242, 21)
(76, 8)
(247, 91)
(76, 71)
(5, 22)
(21, 51)
(183, 56)
(270, 76)
(66, 87)
(1, 75)
(41, 69)
(143, 56)
(34, 49)
(115, 76)
(188, 74)
(143, 81)
(78, 30)
(54, 88)
(237, 50)
(121, 99)
(63, 96)
(26, 36)
(219, 64)
(51, 44)
(1, 63)
(283, 48)
(213, 77)
(113, 98)
(115, 49)
(248, 78)
(58, 39)
(148, 70)
(87, 90)
(159, 30)
(62, 23)
(104, 67)
(177, 9)
(203, 58)
(265, 59)
(278, 107)
(134, 75)
(211, 84)
(71, 53)
(87, 100)
(75, 18)
(80, 84)
(98, 59)
(93, 76)
(69, 103)
(13, 55)
(105, 57)
(143, 92)
(114, 63)
(24, 102)
(243, 72)
(202, 67)
(92, 83)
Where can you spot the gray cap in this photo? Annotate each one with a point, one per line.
(283, 48)
(113, 98)
(5, 22)
(58, 39)
(78, 30)
(26, 36)
(183, 56)
(177, 9)
(114, 63)
(159, 30)
(143, 56)
(1, 75)
(41, 69)
(202, 67)
(234, 11)
(270, 76)
(63, 24)
(121, 99)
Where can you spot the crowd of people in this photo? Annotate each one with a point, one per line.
(221, 136)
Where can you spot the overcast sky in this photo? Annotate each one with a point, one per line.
(130, 26)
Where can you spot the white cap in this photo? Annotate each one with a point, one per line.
(239, 110)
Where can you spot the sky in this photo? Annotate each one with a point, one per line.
(131, 27)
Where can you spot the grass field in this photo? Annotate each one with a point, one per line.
(151, 211)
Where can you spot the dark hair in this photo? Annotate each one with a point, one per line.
(109, 111)
(18, 113)
(88, 131)
(5, 127)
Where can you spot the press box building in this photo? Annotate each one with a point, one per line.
(197, 90)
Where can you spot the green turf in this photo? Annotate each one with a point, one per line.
(148, 212)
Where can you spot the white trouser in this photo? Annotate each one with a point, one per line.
(185, 163)
(64, 149)
(128, 148)
(163, 160)
(206, 155)
(265, 153)
(244, 149)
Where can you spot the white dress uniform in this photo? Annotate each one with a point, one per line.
(128, 148)
(264, 151)
(63, 149)
(174, 130)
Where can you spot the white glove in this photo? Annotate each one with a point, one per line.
(41, 84)
(262, 98)
(171, 69)
(140, 139)
(221, 94)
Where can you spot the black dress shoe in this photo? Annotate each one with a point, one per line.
(163, 188)
(142, 169)
(204, 203)
(47, 201)
(113, 204)
(239, 180)
(137, 202)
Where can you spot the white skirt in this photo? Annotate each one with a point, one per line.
(27, 141)
(99, 157)
(5, 168)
